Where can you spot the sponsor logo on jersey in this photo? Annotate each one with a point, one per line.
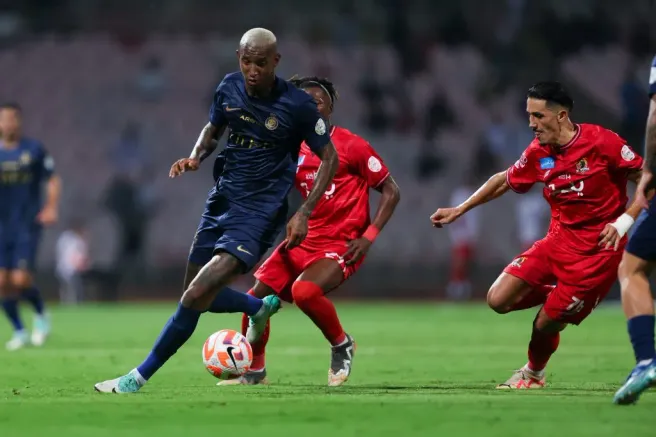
(547, 163)
(521, 162)
(517, 263)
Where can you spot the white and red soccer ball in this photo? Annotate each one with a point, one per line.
(227, 354)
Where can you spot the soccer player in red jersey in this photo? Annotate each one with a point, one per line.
(585, 169)
(340, 233)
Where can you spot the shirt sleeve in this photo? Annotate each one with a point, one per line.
(620, 155)
(313, 128)
(46, 164)
(524, 173)
(652, 78)
(217, 114)
(367, 163)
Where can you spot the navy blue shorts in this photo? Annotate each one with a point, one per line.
(643, 238)
(18, 248)
(238, 232)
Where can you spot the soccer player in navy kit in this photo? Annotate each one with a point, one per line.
(637, 263)
(26, 169)
(268, 119)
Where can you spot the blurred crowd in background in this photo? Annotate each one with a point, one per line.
(117, 90)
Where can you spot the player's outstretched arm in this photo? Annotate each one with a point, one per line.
(390, 196)
(205, 145)
(649, 157)
(50, 211)
(495, 187)
(297, 227)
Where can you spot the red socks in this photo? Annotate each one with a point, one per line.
(540, 349)
(260, 345)
(309, 297)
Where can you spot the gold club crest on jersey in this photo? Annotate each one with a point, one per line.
(271, 123)
(25, 158)
(582, 166)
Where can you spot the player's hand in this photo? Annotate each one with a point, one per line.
(609, 237)
(48, 216)
(641, 195)
(182, 165)
(444, 216)
(356, 250)
(297, 229)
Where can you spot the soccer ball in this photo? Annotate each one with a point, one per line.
(227, 354)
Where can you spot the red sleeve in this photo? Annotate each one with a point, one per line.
(524, 173)
(367, 163)
(620, 155)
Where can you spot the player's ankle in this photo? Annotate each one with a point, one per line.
(138, 377)
(532, 369)
(340, 340)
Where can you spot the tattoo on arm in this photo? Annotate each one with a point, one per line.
(327, 169)
(207, 142)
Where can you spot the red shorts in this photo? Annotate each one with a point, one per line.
(582, 281)
(282, 268)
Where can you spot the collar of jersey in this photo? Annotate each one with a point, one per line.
(576, 137)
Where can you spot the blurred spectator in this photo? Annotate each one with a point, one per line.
(130, 198)
(129, 156)
(72, 263)
(634, 106)
(151, 82)
(463, 234)
(372, 92)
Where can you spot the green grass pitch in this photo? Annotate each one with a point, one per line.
(420, 370)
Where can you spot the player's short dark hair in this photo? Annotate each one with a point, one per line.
(315, 81)
(553, 93)
(11, 105)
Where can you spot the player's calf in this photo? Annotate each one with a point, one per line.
(179, 328)
(9, 301)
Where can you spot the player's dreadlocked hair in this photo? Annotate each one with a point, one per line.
(314, 81)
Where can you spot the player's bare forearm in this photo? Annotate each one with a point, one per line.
(390, 196)
(650, 138)
(495, 187)
(53, 192)
(207, 142)
(327, 169)
(634, 176)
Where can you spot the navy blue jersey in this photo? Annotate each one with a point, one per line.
(652, 78)
(23, 170)
(264, 139)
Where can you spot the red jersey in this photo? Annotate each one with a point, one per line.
(585, 183)
(343, 211)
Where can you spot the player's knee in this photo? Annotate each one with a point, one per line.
(626, 271)
(218, 273)
(304, 291)
(496, 299)
(20, 279)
